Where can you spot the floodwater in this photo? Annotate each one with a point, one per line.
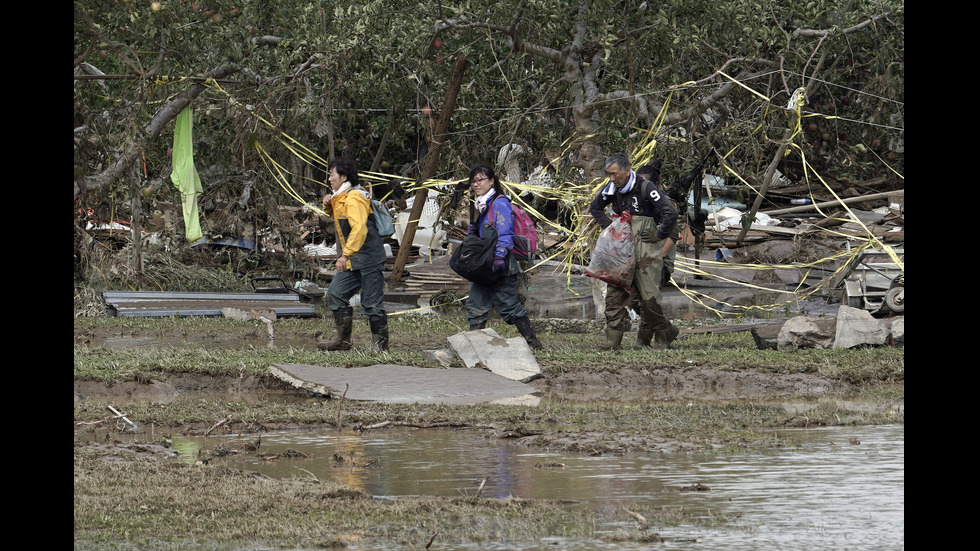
(825, 488)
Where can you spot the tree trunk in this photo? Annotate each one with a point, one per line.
(429, 168)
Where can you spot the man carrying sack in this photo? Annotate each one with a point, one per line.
(652, 218)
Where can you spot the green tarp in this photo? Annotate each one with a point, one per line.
(184, 174)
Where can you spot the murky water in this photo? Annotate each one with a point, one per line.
(828, 488)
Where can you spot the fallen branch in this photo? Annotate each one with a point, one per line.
(89, 423)
(123, 417)
(828, 204)
(641, 521)
(479, 491)
(216, 425)
(169, 112)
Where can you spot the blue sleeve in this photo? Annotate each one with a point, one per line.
(503, 222)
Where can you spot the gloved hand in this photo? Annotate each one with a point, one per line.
(499, 264)
(649, 235)
(471, 229)
(626, 216)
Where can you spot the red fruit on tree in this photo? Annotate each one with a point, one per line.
(437, 44)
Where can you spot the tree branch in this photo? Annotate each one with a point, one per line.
(826, 32)
(152, 131)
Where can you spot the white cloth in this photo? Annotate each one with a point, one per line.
(611, 187)
(483, 200)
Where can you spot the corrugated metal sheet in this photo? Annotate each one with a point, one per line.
(164, 304)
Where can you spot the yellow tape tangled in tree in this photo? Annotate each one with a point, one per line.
(574, 196)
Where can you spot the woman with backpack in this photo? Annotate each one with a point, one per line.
(492, 214)
(361, 262)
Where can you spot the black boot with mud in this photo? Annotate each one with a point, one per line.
(379, 333)
(523, 325)
(343, 319)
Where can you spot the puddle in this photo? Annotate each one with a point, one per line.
(827, 488)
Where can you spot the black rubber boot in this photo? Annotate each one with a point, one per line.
(477, 325)
(379, 333)
(524, 326)
(343, 319)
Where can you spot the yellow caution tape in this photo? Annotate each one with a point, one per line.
(575, 196)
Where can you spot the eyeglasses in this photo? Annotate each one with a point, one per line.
(480, 179)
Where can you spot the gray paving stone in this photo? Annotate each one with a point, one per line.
(400, 384)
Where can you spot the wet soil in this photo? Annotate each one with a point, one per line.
(611, 384)
(145, 457)
(626, 384)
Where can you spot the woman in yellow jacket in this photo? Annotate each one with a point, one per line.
(361, 262)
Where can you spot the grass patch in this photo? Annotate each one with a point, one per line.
(192, 350)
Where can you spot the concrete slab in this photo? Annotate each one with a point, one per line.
(401, 384)
(510, 358)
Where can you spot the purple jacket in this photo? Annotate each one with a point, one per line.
(503, 222)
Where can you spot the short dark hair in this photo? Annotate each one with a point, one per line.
(345, 168)
(618, 159)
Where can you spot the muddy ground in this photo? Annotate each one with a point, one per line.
(707, 395)
(627, 384)
(611, 378)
